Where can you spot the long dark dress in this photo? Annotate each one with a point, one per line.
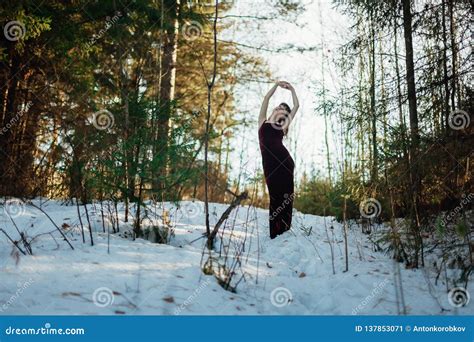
(278, 168)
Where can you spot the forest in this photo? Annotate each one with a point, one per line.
(118, 116)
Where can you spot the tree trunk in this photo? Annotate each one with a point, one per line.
(405, 154)
(445, 69)
(454, 80)
(414, 131)
(7, 162)
(373, 116)
(325, 113)
(167, 86)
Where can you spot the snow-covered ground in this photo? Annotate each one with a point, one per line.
(292, 274)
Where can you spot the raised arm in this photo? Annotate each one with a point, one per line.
(264, 108)
(296, 104)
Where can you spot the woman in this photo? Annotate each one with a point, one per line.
(278, 166)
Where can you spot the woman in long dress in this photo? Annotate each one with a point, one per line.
(278, 166)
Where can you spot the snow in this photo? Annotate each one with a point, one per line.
(290, 275)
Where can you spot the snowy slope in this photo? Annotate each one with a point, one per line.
(289, 275)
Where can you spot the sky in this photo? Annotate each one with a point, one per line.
(304, 70)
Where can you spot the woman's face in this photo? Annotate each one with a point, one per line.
(279, 113)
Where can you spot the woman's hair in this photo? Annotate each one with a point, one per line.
(285, 105)
(288, 109)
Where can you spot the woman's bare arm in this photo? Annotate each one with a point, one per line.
(264, 108)
(296, 103)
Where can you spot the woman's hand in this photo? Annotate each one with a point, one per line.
(285, 85)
